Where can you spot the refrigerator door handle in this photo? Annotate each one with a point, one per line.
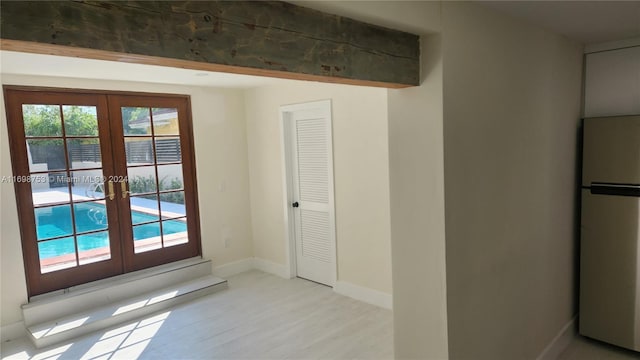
(615, 189)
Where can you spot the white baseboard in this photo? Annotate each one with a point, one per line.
(247, 264)
(233, 268)
(271, 267)
(364, 294)
(561, 341)
(357, 292)
(12, 331)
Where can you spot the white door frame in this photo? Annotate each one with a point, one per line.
(288, 192)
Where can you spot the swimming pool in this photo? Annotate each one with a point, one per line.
(56, 221)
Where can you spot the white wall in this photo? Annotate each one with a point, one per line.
(221, 159)
(612, 82)
(361, 172)
(416, 167)
(13, 286)
(512, 97)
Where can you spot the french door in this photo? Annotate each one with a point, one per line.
(105, 183)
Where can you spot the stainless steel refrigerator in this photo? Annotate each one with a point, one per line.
(610, 231)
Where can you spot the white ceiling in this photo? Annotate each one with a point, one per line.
(588, 22)
(49, 65)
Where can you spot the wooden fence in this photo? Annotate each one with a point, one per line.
(167, 150)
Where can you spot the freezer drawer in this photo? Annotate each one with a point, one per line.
(611, 150)
(610, 269)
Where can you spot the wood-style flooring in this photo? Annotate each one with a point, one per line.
(582, 348)
(260, 316)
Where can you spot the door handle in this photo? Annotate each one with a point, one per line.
(123, 187)
(295, 204)
(111, 194)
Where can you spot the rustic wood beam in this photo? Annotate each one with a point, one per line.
(269, 38)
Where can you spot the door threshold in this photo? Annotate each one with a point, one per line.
(117, 313)
(44, 307)
(114, 280)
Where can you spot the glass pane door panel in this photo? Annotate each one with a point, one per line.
(90, 216)
(53, 222)
(43, 193)
(41, 120)
(164, 178)
(139, 150)
(87, 185)
(58, 181)
(136, 121)
(41, 178)
(168, 150)
(172, 204)
(80, 120)
(165, 121)
(84, 153)
(144, 209)
(174, 232)
(170, 177)
(147, 237)
(62, 140)
(46, 155)
(142, 179)
(93, 247)
(57, 254)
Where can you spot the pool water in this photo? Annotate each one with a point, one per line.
(56, 221)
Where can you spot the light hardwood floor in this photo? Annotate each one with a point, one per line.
(582, 348)
(260, 316)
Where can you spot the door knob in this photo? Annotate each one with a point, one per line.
(295, 204)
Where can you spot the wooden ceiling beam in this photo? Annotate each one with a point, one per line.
(265, 38)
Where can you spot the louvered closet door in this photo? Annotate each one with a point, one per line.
(315, 245)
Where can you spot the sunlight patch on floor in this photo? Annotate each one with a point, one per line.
(145, 302)
(60, 327)
(124, 342)
(128, 341)
(49, 354)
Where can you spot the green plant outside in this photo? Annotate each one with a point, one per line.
(145, 184)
